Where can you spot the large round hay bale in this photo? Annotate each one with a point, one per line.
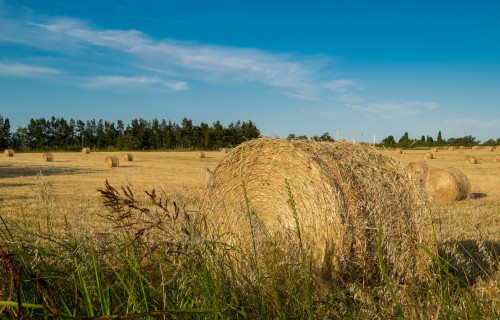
(128, 157)
(448, 184)
(428, 155)
(417, 171)
(86, 150)
(470, 160)
(331, 199)
(8, 153)
(112, 162)
(48, 156)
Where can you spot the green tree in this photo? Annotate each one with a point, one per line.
(389, 141)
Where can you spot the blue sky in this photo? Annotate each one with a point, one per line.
(356, 68)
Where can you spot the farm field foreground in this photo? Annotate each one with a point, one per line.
(49, 196)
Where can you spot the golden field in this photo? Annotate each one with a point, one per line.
(69, 185)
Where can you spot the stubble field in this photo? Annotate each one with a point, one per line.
(45, 197)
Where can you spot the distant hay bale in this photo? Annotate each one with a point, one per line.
(223, 150)
(448, 184)
(496, 158)
(128, 157)
(336, 195)
(48, 156)
(86, 150)
(489, 148)
(470, 160)
(112, 162)
(461, 148)
(417, 171)
(428, 155)
(8, 153)
(434, 149)
(399, 151)
(451, 148)
(201, 155)
(475, 147)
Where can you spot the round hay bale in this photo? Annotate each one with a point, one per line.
(86, 150)
(128, 157)
(8, 153)
(417, 171)
(470, 160)
(328, 199)
(434, 149)
(490, 148)
(112, 162)
(428, 155)
(496, 158)
(223, 150)
(475, 147)
(48, 156)
(201, 155)
(398, 151)
(448, 184)
(461, 148)
(451, 148)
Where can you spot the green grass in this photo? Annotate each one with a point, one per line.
(157, 264)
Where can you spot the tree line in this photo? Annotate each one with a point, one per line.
(59, 134)
(427, 141)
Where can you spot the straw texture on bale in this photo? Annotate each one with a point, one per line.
(112, 162)
(48, 156)
(8, 153)
(128, 157)
(448, 184)
(201, 155)
(417, 171)
(86, 150)
(470, 160)
(428, 155)
(335, 195)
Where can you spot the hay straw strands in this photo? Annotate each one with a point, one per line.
(448, 184)
(8, 153)
(85, 150)
(48, 156)
(201, 155)
(336, 196)
(470, 160)
(111, 162)
(417, 171)
(428, 155)
(128, 157)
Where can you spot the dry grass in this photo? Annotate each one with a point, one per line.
(335, 195)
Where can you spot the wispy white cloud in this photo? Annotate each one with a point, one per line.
(24, 70)
(186, 60)
(391, 110)
(133, 82)
(341, 85)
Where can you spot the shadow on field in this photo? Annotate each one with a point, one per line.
(470, 260)
(478, 195)
(11, 171)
